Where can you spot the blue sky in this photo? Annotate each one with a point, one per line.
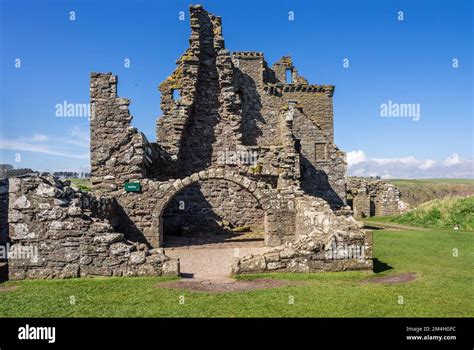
(407, 61)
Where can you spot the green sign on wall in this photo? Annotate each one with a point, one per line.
(132, 186)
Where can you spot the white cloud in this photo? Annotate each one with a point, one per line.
(410, 167)
(453, 159)
(73, 147)
(355, 157)
(359, 172)
(39, 138)
(427, 164)
(403, 160)
(80, 134)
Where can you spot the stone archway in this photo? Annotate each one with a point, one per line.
(259, 190)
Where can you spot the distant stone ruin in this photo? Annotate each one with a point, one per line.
(374, 198)
(239, 144)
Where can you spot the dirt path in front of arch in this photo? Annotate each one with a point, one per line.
(212, 261)
(207, 267)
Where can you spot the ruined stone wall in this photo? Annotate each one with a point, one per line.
(266, 100)
(119, 152)
(135, 209)
(358, 198)
(386, 198)
(280, 67)
(324, 242)
(374, 198)
(4, 234)
(208, 113)
(57, 231)
(323, 166)
(3, 211)
(317, 106)
(256, 126)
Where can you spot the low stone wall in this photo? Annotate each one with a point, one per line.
(374, 198)
(57, 231)
(324, 242)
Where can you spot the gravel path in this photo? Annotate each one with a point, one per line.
(212, 261)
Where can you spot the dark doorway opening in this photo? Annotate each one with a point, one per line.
(212, 211)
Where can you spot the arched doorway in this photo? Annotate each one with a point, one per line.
(221, 202)
(212, 211)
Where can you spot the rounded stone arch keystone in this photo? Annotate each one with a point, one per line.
(259, 190)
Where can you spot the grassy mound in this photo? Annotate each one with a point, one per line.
(418, 191)
(441, 213)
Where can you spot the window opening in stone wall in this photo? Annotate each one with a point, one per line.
(176, 94)
(289, 76)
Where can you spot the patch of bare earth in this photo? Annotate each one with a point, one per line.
(212, 261)
(8, 288)
(400, 278)
(227, 285)
(206, 264)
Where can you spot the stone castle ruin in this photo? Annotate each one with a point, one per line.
(240, 145)
(373, 198)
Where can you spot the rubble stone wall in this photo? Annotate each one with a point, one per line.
(57, 231)
(214, 104)
(205, 120)
(374, 198)
(119, 152)
(324, 242)
(3, 212)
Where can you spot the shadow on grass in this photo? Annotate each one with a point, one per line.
(372, 227)
(380, 266)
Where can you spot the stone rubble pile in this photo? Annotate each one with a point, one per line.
(324, 242)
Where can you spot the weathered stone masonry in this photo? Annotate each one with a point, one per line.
(374, 198)
(232, 107)
(56, 231)
(229, 103)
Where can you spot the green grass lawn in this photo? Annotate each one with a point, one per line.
(83, 184)
(444, 288)
(426, 181)
(438, 213)
(418, 191)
